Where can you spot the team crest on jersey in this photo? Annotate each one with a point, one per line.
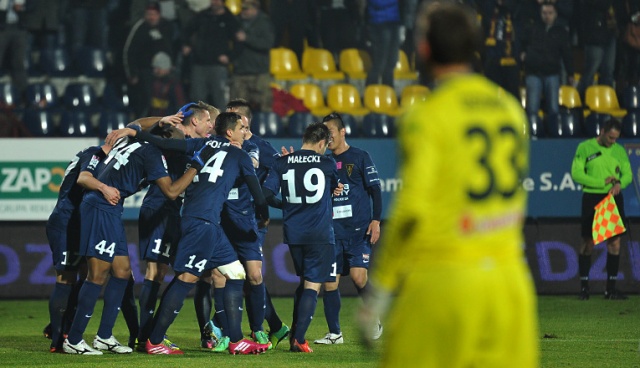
(94, 161)
(365, 258)
(350, 169)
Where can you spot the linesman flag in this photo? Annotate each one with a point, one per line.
(607, 222)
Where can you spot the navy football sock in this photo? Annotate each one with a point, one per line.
(170, 306)
(113, 294)
(306, 309)
(233, 308)
(270, 314)
(255, 306)
(220, 318)
(202, 302)
(87, 299)
(129, 309)
(147, 299)
(57, 308)
(332, 304)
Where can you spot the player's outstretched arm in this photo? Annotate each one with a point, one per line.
(271, 198)
(262, 210)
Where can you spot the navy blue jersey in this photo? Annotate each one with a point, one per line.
(70, 194)
(155, 199)
(240, 200)
(352, 209)
(307, 180)
(268, 156)
(126, 168)
(205, 197)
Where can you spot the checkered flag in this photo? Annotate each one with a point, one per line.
(607, 222)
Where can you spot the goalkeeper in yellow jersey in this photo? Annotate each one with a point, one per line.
(452, 255)
(601, 166)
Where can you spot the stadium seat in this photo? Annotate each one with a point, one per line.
(111, 120)
(412, 94)
(344, 98)
(319, 63)
(563, 125)
(298, 122)
(76, 123)
(594, 122)
(90, 61)
(8, 95)
(603, 99)
(378, 126)
(403, 69)
(234, 6)
(40, 123)
(569, 97)
(115, 97)
(284, 65)
(631, 124)
(42, 95)
(381, 99)
(311, 96)
(267, 124)
(80, 96)
(55, 62)
(355, 63)
(631, 98)
(536, 128)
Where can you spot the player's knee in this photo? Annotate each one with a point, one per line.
(254, 277)
(233, 271)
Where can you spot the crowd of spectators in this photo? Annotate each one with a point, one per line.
(169, 51)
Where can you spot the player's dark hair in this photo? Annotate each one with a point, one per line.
(225, 121)
(316, 132)
(451, 32)
(336, 118)
(241, 106)
(612, 124)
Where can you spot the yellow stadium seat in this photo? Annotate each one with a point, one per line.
(602, 99)
(569, 97)
(381, 99)
(319, 63)
(403, 68)
(284, 65)
(412, 94)
(355, 63)
(234, 6)
(311, 96)
(344, 98)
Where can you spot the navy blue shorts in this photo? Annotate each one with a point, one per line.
(64, 240)
(352, 252)
(314, 262)
(203, 246)
(159, 233)
(242, 232)
(102, 234)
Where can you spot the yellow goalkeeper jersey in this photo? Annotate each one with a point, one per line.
(464, 154)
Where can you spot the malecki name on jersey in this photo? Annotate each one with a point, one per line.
(302, 159)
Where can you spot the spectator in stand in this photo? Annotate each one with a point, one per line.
(294, 20)
(148, 37)
(340, 23)
(501, 47)
(384, 18)
(210, 55)
(167, 94)
(88, 24)
(13, 42)
(599, 30)
(43, 22)
(629, 55)
(546, 48)
(251, 79)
